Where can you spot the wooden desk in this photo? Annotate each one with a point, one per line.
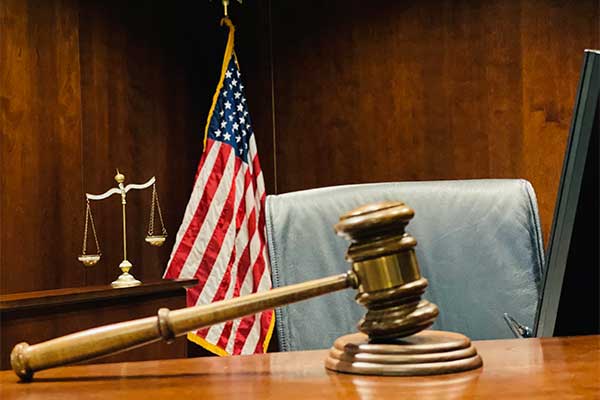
(513, 369)
(38, 316)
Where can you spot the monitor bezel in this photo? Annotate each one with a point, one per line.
(586, 107)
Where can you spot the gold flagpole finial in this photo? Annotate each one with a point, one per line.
(225, 5)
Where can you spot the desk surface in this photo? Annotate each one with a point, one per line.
(526, 368)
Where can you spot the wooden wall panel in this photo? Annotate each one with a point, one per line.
(41, 144)
(88, 86)
(124, 127)
(340, 92)
(554, 35)
(366, 92)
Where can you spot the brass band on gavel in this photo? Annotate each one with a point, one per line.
(384, 270)
(385, 265)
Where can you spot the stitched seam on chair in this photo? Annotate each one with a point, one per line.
(537, 231)
(279, 317)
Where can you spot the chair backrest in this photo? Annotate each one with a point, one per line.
(479, 245)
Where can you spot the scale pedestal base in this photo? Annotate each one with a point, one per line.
(428, 352)
(125, 279)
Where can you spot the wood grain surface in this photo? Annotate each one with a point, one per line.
(87, 294)
(87, 87)
(35, 317)
(40, 119)
(402, 91)
(565, 368)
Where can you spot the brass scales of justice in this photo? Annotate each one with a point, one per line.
(393, 339)
(126, 279)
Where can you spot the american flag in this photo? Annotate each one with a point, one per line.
(221, 241)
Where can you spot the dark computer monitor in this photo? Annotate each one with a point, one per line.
(570, 303)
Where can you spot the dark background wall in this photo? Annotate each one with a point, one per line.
(340, 92)
(371, 91)
(87, 87)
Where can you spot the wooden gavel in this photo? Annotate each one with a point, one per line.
(384, 271)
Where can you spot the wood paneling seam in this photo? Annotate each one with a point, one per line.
(271, 66)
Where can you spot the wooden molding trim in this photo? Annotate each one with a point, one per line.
(58, 297)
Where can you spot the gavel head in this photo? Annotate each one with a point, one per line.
(385, 265)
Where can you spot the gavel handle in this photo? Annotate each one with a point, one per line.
(110, 339)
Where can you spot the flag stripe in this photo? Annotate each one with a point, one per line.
(177, 257)
(245, 255)
(245, 278)
(200, 209)
(212, 249)
(241, 239)
(208, 213)
(265, 318)
(244, 226)
(239, 288)
(250, 331)
(221, 245)
(209, 145)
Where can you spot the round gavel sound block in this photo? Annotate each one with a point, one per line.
(393, 339)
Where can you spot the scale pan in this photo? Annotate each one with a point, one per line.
(156, 240)
(89, 259)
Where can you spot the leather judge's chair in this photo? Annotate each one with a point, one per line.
(479, 245)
